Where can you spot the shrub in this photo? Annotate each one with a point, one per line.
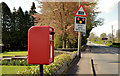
(4, 62)
(118, 46)
(18, 62)
(48, 69)
(11, 62)
(25, 63)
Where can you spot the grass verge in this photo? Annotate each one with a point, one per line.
(15, 53)
(13, 69)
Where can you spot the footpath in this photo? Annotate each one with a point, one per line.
(82, 66)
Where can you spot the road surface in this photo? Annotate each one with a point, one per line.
(106, 60)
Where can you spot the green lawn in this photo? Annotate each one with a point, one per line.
(98, 42)
(15, 53)
(13, 69)
(19, 53)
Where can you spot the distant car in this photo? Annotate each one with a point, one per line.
(89, 41)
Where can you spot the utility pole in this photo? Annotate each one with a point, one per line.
(118, 35)
(79, 41)
(112, 35)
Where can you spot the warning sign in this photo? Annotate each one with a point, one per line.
(81, 12)
(80, 20)
(80, 24)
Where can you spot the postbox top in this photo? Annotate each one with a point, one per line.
(39, 27)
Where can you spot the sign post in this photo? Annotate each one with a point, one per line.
(80, 25)
(41, 69)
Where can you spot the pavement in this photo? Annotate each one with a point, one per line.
(82, 66)
(105, 61)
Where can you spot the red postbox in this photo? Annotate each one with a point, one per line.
(40, 45)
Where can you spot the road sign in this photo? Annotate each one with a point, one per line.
(80, 24)
(84, 34)
(81, 12)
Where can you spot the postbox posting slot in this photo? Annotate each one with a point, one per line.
(52, 33)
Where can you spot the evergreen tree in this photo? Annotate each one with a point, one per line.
(13, 20)
(6, 26)
(0, 23)
(14, 9)
(15, 27)
(32, 10)
(20, 26)
(29, 21)
(23, 23)
(13, 30)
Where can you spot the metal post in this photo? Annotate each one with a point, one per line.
(79, 44)
(79, 2)
(79, 41)
(41, 70)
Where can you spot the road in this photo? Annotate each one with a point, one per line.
(105, 59)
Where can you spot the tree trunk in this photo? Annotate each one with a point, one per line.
(64, 44)
(67, 44)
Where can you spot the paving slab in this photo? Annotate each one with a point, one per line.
(81, 66)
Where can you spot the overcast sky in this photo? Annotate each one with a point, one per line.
(108, 8)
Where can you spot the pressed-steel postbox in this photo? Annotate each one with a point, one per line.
(40, 45)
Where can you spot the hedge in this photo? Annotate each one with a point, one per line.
(48, 69)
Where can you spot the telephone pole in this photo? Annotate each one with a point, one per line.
(112, 35)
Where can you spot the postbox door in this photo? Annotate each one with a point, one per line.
(51, 36)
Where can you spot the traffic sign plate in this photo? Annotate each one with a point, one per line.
(81, 12)
(80, 24)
